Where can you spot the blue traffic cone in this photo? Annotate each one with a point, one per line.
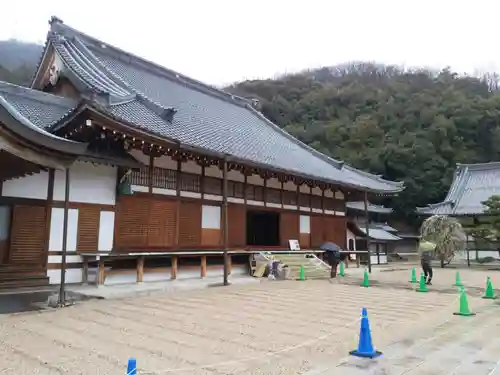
(132, 367)
(365, 347)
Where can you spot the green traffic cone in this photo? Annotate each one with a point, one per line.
(413, 279)
(302, 274)
(366, 280)
(464, 305)
(342, 269)
(489, 293)
(422, 286)
(458, 281)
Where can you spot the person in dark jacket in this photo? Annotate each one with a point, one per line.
(334, 260)
(426, 251)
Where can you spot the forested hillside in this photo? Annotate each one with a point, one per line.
(18, 61)
(411, 126)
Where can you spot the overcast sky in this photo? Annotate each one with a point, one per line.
(222, 41)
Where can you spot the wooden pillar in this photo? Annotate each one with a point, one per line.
(281, 192)
(225, 221)
(62, 287)
(203, 266)
(150, 174)
(264, 195)
(100, 273)
(85, 270)
(178, 202)
(48, 214)
(202, 182)
(140, 269)
(367, 229)
(245, 183)
(173, 269)
(229, 264)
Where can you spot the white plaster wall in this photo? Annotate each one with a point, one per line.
(214, 171)
(165, 162)
(255, 179)
(73, 276)
(34, 186)
(56, 230)
(273, 183)
(290, 186)
(210, 217)
(191, 167)
(89, 183)
(106, 230)
(235, 176)
(139, 156)
(305, 189)
(339, 195)
(305, 224)
(328, 193)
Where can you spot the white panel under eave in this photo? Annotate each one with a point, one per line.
(33, 187)
(57, 226)
(89, 183)
(106, 231)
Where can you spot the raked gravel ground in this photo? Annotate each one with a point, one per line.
(276, 327)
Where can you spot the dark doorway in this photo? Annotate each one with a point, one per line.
(263, 228)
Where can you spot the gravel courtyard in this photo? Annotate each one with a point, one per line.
(271, 328)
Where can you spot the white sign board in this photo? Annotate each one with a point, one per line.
(294, 245)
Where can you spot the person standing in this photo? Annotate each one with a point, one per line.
(426, 250)
(334, 259)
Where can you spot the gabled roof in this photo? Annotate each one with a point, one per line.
(377, 231)
(29, 114)
(360, 206)
(171, 105)
(472, 184)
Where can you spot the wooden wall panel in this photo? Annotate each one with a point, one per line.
(289, 227)
(132, 221)
(161, 228)
(27, 238)
(237, 236)
(305, 241)
(336, 230)
(211, 237)
(88, 228)
(317, 231)
(190, 224)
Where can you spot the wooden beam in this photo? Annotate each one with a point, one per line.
(178, 202)
(203, 266)
(140, 269)
(225, 221)
(48, 215)
(150, 174)
(367, 229)
(85, 271)
(173, 269)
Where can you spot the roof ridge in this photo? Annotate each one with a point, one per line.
(480, 166)
(57, 25)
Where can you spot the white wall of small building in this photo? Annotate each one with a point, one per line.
(89, 183)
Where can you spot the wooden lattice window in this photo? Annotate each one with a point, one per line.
(212, 186)
(273, 196)
(329, 204)
(190, 182)
(140, 177)
(304, 200)
(88, 228)
(250, 192)
(235, 189)
(290, 198)
(164, 178)
(259, 193)
(316, 201)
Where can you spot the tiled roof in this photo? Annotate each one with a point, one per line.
(380, 234)
(360, 206)
(472, 184)
(205, 117)
(40, 108)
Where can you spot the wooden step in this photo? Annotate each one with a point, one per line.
(24, 282)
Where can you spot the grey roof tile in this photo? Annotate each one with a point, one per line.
(360, 206)
(472, 185)
(40, 108)
(205, 117)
